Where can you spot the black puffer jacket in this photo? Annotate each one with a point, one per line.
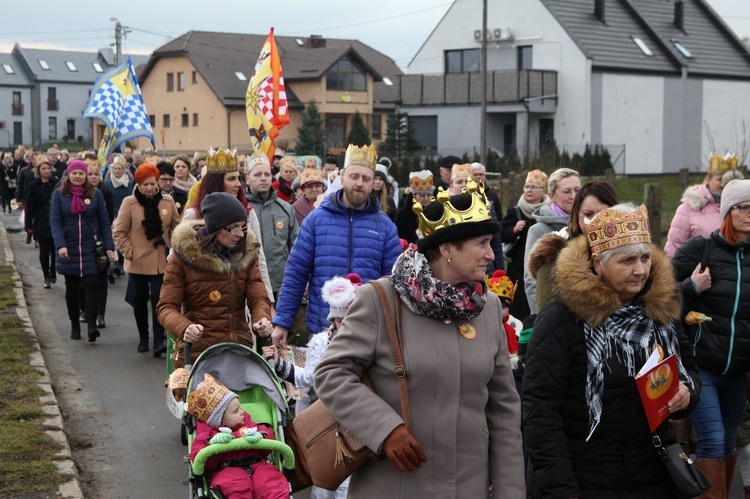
(721, 346)
(619, 459)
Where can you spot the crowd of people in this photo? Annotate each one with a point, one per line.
(522, 332)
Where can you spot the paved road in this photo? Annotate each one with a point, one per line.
(125, 441)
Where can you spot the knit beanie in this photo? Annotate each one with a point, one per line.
(209, 401)
(733, 194)
(382, 172)
(77, 164)
(339, 294)
(146, 171)
(219, 210)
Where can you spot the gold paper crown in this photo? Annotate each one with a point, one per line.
(290, 161)
(421, 181)
(461, 171)
(255, 160)
(310, 176)
(719, 165)
(476, 212)
(365, 156)
(203, 401)
(178, 382)
(221, 160)
(501, 285)
(537, 177)
(611, 229)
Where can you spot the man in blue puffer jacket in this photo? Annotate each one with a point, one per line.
(347, 233)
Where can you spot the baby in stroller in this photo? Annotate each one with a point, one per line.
(236, 474)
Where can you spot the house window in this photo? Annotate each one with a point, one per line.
(425, 131)
(546, 133)
(346, 75)
(2, 125)
(52, 93)
(52, 128)
(185, 119)
(195, 119)
(44, 64)
(170, 82)
(71, 66)
(97, 67)
(165, 119)
(240, 75)
(376, 128)
(195, 76)
(71, 126)
(462, 61)
(52, 104)
(525, 57)
(683, 50)
(336, 130)
(180, 81)
(152, 120)
(642, 45)
(17, 105)
(8, 69)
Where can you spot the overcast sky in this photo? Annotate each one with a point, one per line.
(395, 27)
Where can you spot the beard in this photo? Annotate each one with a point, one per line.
(356, 199)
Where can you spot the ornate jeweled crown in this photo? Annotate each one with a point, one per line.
(476, 212)
(421, 181)
(501, 285)
(461, 171)
(719, 165)
(611, 229)
(366, 156)
(311, 176)
(203, 401)
(221, 160)
(257, 159)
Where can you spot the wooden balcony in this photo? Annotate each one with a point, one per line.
(53, 104)
(465, 88)
(17, 109)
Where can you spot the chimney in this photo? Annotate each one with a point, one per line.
(599, 10)
(679, 15)
(316, 42)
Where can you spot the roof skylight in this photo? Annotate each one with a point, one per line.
(8, 69)
(683, 50)
(71, 66)
(240, 75)
(44, 64)
(642, 45)
(387, 81)
(97, 67)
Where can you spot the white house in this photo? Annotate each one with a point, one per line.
(661, 84)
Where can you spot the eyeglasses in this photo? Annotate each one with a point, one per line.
(236, 231)
(568, 192)
(742, 208)
(532, 186)
(166, 179)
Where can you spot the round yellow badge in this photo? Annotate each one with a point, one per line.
(279, 225)
(164, 211)
(467, 331)
(214, 295)
(87, 201)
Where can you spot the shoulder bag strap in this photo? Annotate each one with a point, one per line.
(708, 247)
(394, 333)
(518, 213)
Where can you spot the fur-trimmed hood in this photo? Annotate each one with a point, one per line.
(545, 251)
(587, 296)
(185, 244)
(697, 196)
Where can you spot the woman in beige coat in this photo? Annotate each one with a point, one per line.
(142, 234)
(463, 434)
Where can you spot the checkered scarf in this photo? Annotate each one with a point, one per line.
(425, 295)
(623, 334)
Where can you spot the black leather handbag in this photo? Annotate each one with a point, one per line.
(688, 479)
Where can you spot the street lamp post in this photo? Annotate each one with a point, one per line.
(483, 123)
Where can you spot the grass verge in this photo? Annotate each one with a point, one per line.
(26, 464)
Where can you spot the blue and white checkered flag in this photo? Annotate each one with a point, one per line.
(116, 101)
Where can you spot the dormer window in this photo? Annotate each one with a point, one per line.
(346, 75)
(642, 45)
(44, 64)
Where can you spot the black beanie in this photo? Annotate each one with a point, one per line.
(449, 161)
(219, 210)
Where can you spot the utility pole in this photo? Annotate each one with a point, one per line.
(118, 39)
(483, 73)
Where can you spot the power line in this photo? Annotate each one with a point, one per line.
(49, 32)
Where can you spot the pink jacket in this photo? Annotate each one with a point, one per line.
(697, 215)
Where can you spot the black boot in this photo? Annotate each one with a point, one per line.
(75, 332)
(82, 316)
(159, 346)
(100, 324)
(53, 277)
(93, 335)
(143, 343)
(47, 283)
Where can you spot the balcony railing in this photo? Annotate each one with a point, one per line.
(17, 109)
(465, 88)
(53, 104)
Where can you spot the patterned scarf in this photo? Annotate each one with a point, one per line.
(622, 334)
(425, 295)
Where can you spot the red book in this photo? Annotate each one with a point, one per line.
(657, 383)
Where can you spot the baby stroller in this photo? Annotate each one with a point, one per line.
(247, 374)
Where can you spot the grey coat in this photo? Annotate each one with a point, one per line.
(546, 221)
(278, 230)
(464, 408)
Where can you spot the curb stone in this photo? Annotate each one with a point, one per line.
(53, 422)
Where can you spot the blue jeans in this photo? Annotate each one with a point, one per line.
(718, 414)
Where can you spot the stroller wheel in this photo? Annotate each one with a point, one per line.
(215, 493)
(183, 434)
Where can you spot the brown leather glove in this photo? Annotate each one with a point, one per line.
(403, 450)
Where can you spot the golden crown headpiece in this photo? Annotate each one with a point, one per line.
(311, 176)
(612, 229)
(255, 160)
(461, 171)
(501, 285)
(288, 161)
(366, 156)
(221, 160)
(421, 182)
(719, 165)
(203, 401)
(476, 212)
